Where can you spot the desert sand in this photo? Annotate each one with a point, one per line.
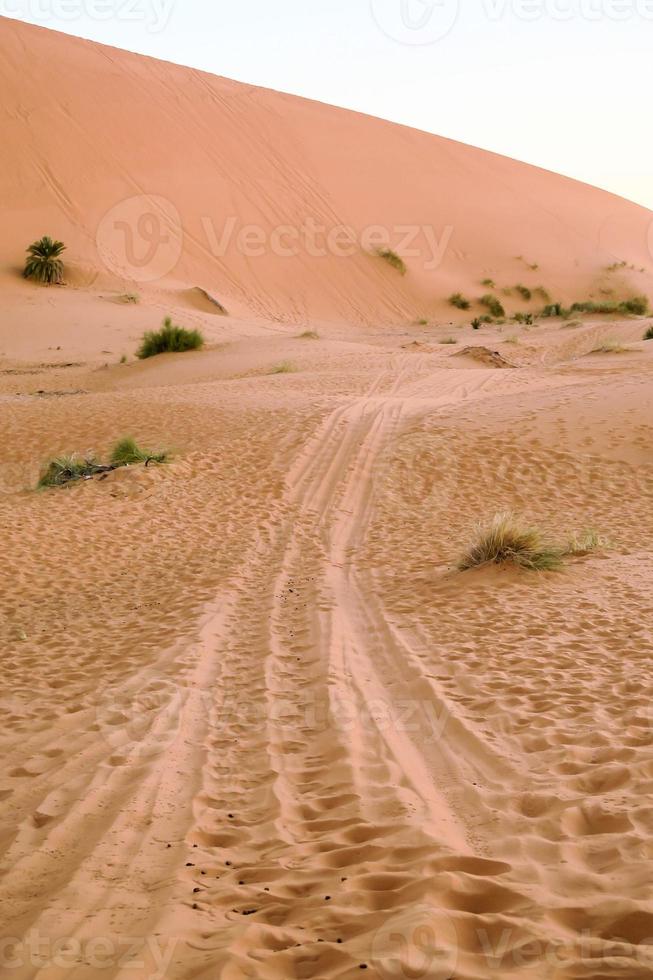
(256, 722)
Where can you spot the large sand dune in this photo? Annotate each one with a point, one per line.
(96, 139)
(255, 723)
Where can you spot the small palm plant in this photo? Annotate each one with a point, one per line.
(43, 262)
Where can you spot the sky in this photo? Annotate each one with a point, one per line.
(564, 84)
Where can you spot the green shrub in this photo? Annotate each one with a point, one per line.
(649, 334)
(129, 298)
(169, 338)
(476, 323)
(638, 305)
(459, 301)
(524, 292)
(448, 340)
(506, 539)
(127, 452)
(43, 263)
(556, 309)
(309, 335)
(493, 304)
(67, 469)
(392, 259)
(524, 318)
(543, 293)
(285, 367)
(488, 283)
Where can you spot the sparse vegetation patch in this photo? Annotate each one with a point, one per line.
(392, 259)
(68, 469)
(459, 301)
(506, 539)
(170, 338)
(493, 304)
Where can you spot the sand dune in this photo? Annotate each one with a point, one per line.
(152, 172)
(256, 723)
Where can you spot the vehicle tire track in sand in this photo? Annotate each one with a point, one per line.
(336, 825)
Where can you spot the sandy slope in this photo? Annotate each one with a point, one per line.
(256, 725)
(113, 153)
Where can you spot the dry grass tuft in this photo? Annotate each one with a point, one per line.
(610, 347)
(506, 539)
(285, 367)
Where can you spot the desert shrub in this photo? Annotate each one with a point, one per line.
(506, 539)
(584, 543)
(476, 323)
(459, 301)
(488, 283)
(43, 262)
(169, 338)
(284, 367)
(524, 318)
(493, 304)
(615, 266)
(129, 298)
(610, 347)
(422, 323)
(543, 293)
(127, 452)
(309, 335)
(638, 305)
(524, 292)
(392, 259)
(67, 469)
(649, 334)
(448, 340)
(555, 309)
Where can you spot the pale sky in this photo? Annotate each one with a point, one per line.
(564, 84)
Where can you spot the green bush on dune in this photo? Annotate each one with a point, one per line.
(68, 469)
(43, 262)
(392, 259)
(493, 304)
(649, 334)
(170, 338)
(127, 452)
(459, 301)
